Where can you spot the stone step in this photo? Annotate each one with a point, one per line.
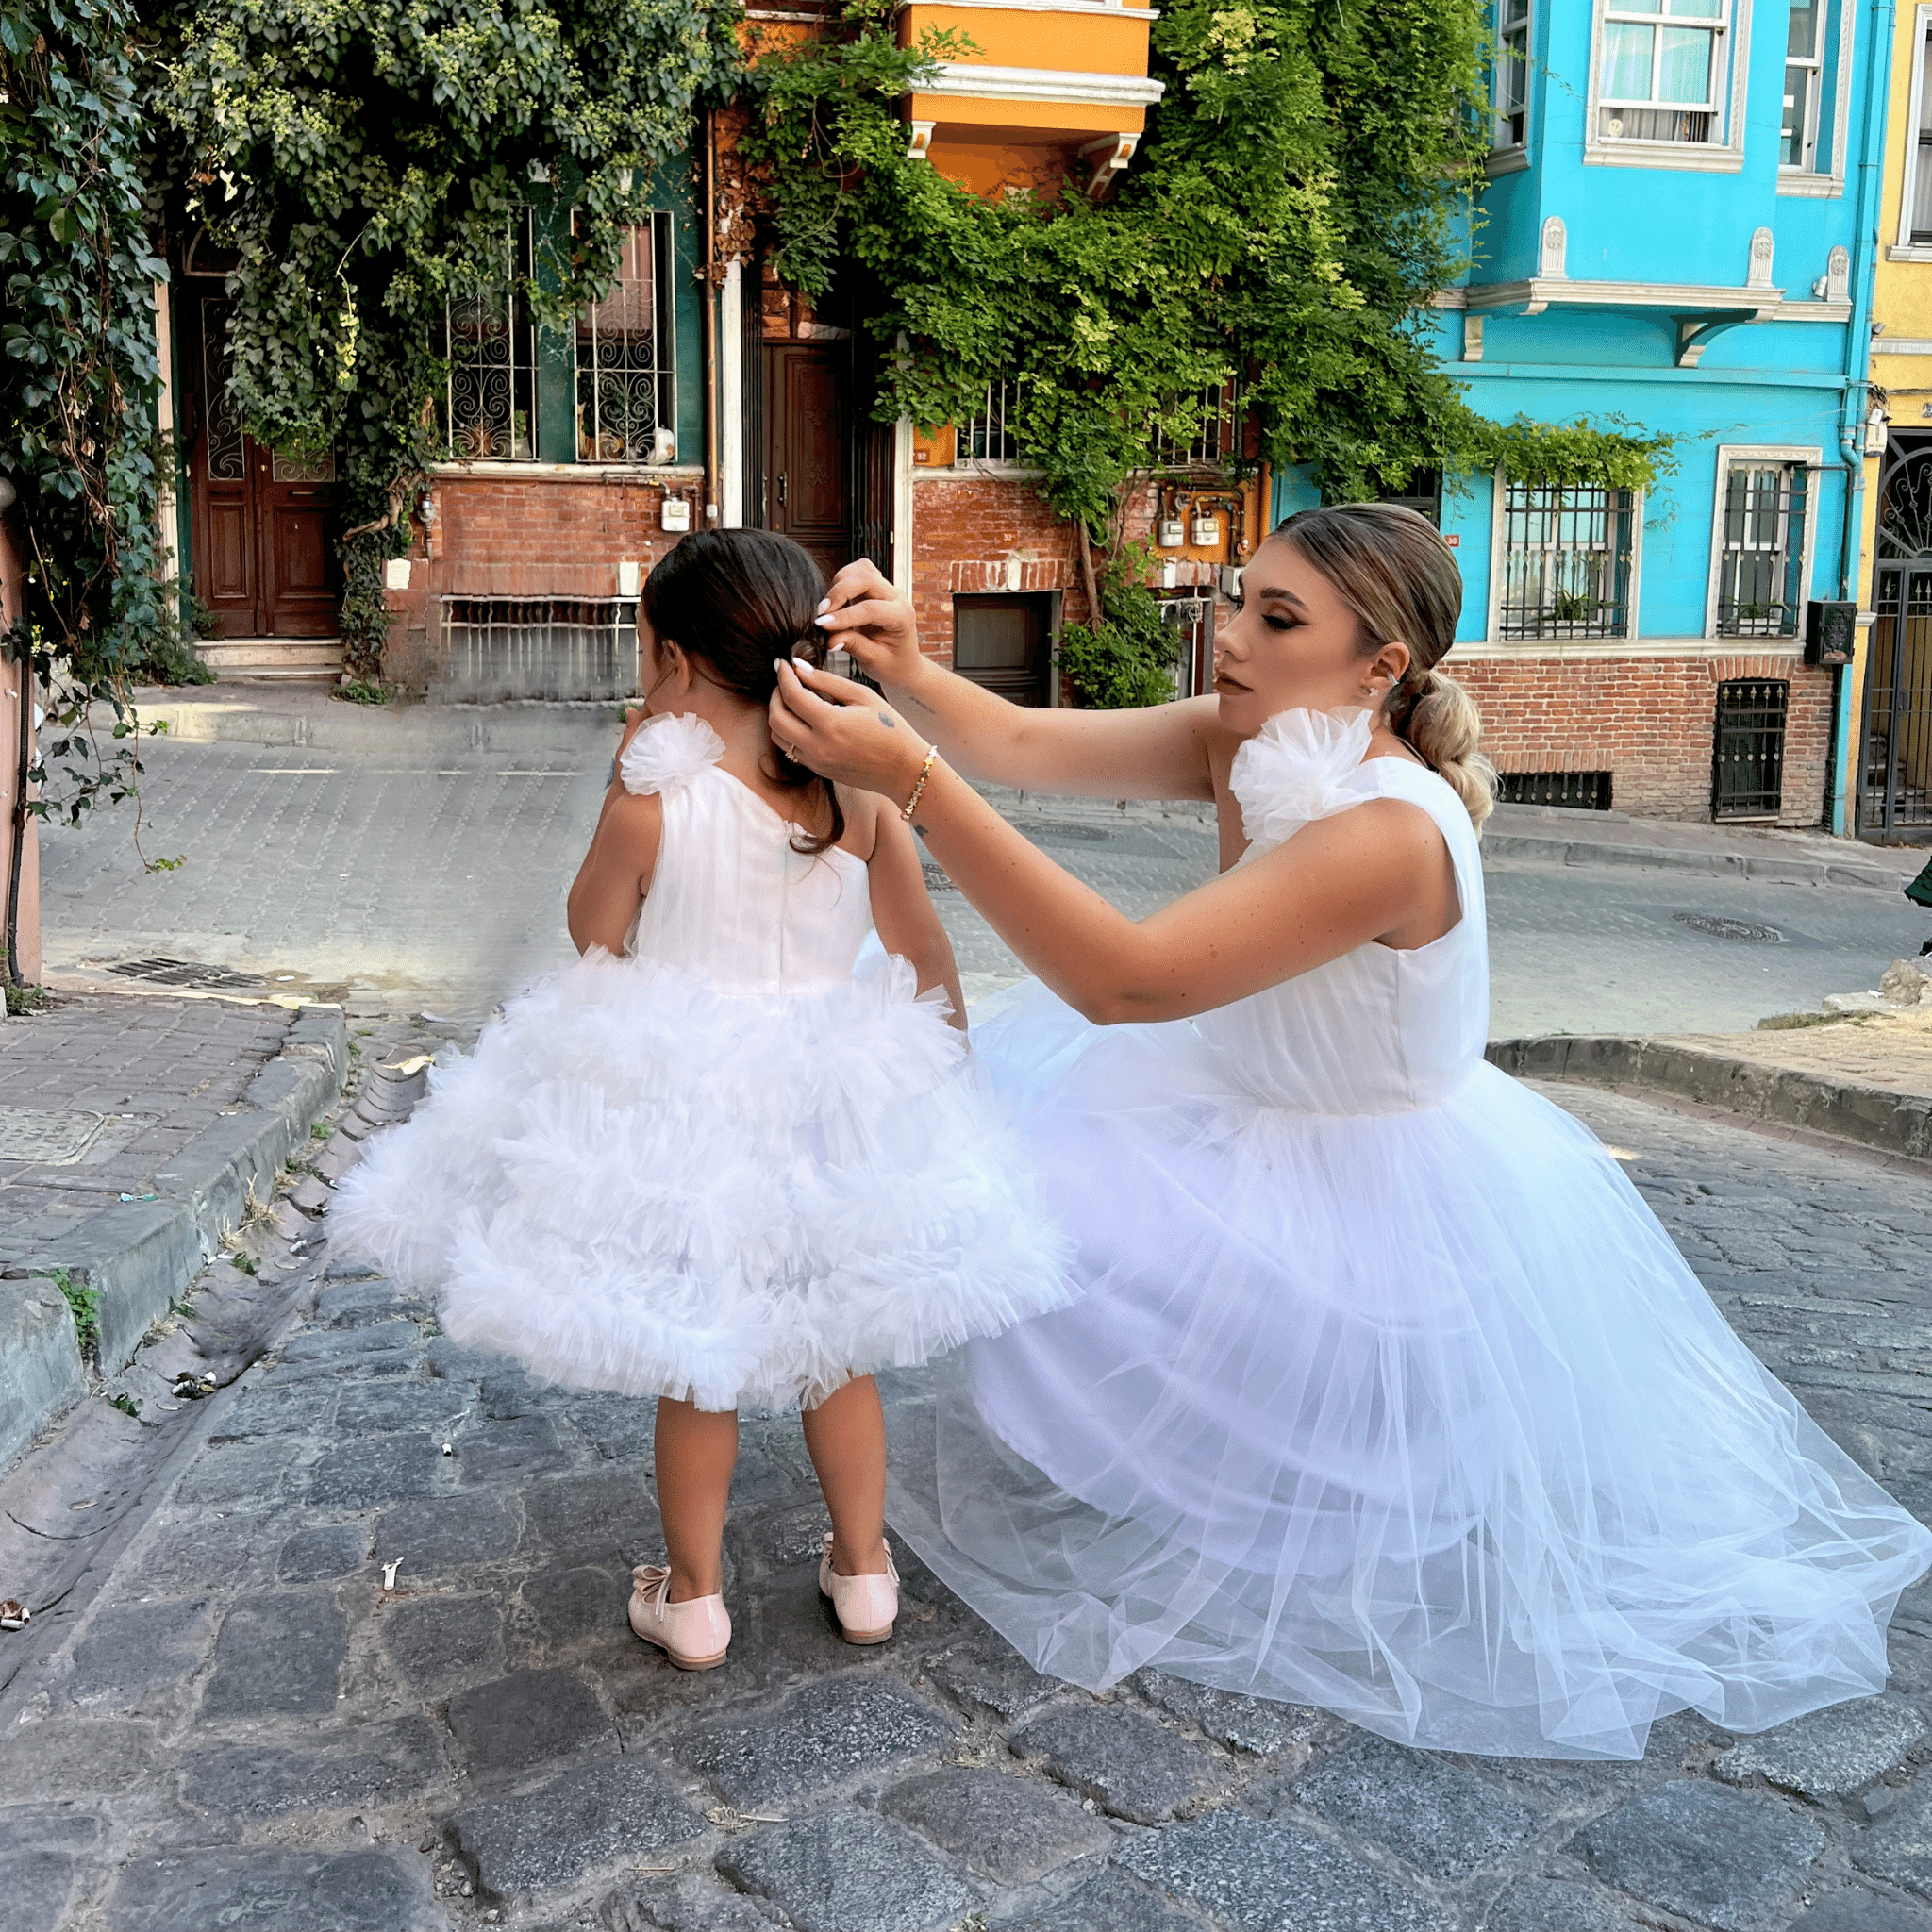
(254, 657)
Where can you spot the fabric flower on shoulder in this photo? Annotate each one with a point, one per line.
(1294, 770)
(670, 751)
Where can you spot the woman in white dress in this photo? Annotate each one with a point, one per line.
(1386, 1391)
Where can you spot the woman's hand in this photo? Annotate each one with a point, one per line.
(865, 614)
(845, 732)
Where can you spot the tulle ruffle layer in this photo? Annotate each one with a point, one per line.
(639, 1184)
(1417, 1416)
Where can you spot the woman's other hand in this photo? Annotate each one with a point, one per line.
(844, 732)
(865, 614)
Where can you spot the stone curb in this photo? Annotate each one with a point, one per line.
(1767, 869)
(138, 1255)
(1870, 1116)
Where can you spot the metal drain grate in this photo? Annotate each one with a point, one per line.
(181, 972)
(1720, 927)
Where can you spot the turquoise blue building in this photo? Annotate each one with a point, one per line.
(1676, 235)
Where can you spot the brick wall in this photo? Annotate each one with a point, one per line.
(1648, 721)
(519, 533)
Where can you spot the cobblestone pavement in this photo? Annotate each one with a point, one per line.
(116, 1086)
(240, 1725)
(442, 884)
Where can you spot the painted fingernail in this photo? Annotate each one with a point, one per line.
(828, 622)
(824, 603)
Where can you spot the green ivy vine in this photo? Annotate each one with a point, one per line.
(365, 158)
(1573, 456)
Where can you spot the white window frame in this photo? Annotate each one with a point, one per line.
(1904, 248)
(1508, 153)
(1820, 180)
(1725, 156)
(1812, 456)
(1535, 647)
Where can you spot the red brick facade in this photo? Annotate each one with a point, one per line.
(1650, 721)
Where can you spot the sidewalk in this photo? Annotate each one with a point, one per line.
(135, 1131)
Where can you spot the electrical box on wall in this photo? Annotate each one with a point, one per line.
(676, 514)
(1170, 535)
(1205, 531)
(1831, 632)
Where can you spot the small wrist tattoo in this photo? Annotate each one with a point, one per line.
(887, 718)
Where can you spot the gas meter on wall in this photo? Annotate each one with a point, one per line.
(1170, 534)
(676, 514)
(1205, 532)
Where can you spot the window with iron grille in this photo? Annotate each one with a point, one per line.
(1567, 562)
(1748, 757)
(1918, 223)
(540, 647)
(490, 406)
(1577, 791)
(1663, 67)
(988, 437)
(625, 346)
(1804, 77)
(1760, 592)
(1215, 443)
(1511, 76)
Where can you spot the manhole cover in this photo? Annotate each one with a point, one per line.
(935, 881)
(181, 972)
(1064, 831)
(37, 1132)
(1720, 927)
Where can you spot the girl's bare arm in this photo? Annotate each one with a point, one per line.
(902, 909)
(616, 873)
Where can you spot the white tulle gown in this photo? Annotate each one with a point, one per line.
(730, 1166)
(1387, 1391)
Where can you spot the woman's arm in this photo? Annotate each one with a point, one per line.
(1157, 752)
(902, 909)
(1378, 871)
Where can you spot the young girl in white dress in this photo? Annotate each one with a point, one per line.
(719, 1160)
(1387, 1391)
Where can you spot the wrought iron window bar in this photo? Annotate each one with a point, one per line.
(540, 647)
(1577, 791)
(1218, 441)
(1748, 757)
(625, 356)
(988, 437)
(1567, 562)
(490, 406)
(1760, 566)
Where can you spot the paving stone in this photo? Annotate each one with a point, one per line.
(48, 1829)
(596, 1815)
(1862, 1911)
(279, 1652)
(444, 1535)
(1010, 1829)
(379, 1469)
(1254, 1724)
(1112, 1903)
(606, 1516)
(274, 1411)
(828, 1732)
(567, 1605)
(507, 1393)
(357, 1304)
(77, 1756)
(620, 1427)
(1554, 1905)
(1442, 1818)
(438, 1641)
(372, 1765)
(333, 1346)
(992, 1676)
(509, 1451)
(1261, 1876)
(238, 1471)
(690, 1904)
(1719, 1856)
(270, 1888)
(1829, 1753)
(188, 1551)
(315, 1556)
(1121, 1760)
(528, 1717)
(1899, 1846)
(34, 1885)
(399, 1402)
(130, 1646)
(844, 1870)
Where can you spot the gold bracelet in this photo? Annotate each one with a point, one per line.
(932, 751)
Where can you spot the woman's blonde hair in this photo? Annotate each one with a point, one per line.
(1391, 568)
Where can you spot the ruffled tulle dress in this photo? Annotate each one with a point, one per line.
(1387, 1391)
(735, 1165)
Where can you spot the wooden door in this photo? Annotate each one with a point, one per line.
(806, 471)
(264, 551)
(1004, 644)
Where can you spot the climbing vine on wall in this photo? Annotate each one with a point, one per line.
(1575, 455)
(364, 160)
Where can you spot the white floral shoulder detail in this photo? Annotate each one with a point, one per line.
(1294, 770)
(669, 752)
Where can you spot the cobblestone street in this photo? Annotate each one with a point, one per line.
(439, 881)
(237, 1721)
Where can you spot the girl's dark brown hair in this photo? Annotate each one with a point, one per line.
(738, 600)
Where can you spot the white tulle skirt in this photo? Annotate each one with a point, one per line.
(1420, 1417)
(637, 1183)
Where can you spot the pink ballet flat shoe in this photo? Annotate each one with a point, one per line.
(866, 1606)
(694, 1635)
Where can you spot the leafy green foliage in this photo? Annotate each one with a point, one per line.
(365, 160)
(1577, 455)
(84, 1302)
(1128, 658)
(79, 383)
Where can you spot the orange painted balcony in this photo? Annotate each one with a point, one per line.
(1044, 74)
